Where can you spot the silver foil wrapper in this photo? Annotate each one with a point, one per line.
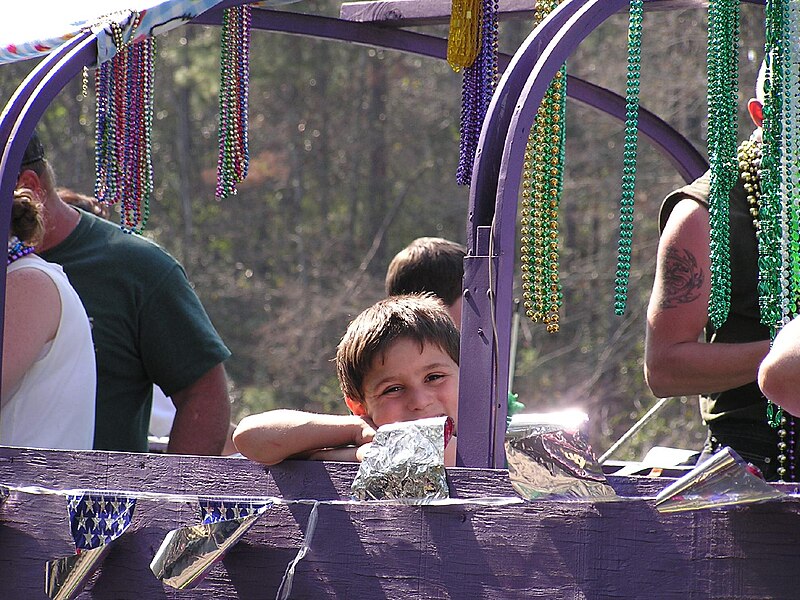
(725, 479)
(4, 494)
(405, 461)
(187, 554)
(548, 456)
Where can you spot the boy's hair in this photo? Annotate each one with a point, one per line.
(428, 264)
(421, 318)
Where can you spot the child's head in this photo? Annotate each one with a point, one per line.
(429, 264)
(398, 361)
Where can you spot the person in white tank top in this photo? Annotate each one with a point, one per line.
(48, 371)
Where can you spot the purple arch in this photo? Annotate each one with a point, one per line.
(488, 276)
(18, 120)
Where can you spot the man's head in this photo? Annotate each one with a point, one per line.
(34, 153)
(429, 264)
(34, 171)
(398, 361)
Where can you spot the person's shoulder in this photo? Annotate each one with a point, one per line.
(697, 191)
(34, 263)
(31, 279)
(126, 245)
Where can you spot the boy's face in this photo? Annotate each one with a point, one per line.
(406, 384)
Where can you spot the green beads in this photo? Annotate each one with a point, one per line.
(629, 157)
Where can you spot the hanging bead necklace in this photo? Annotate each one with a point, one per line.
(542, 184)
(749, 155)
(234, 154)
(629, 157)
(479, 83)
(769, 232)
(464, 35)
(17, 249)
(124, 117)
(723, 69)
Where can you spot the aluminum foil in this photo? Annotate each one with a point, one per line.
(96, 522)
(725, 479)
(548, 455)
(4, 493)
(405, 461)
(187, 554)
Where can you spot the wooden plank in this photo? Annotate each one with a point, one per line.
(406, 13)
(543, 549)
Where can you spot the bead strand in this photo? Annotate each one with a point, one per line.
(723, 60)
(233, 162)
(480, 81)
(629, 157)
(17, 249)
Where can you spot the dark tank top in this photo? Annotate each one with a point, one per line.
(736, 417)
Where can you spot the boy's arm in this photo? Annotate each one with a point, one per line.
(276, 435)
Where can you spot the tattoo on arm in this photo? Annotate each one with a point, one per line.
(682, 278)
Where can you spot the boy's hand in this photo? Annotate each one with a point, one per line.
(364, 431)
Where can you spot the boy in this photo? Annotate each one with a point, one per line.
(398, 361)
(430, 264)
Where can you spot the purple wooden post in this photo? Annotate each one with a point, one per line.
(485, 192)
(477, 409)
(570, 35)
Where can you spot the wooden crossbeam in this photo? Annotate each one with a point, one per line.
(406, 13)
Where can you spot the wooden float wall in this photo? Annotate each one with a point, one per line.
(543, 549)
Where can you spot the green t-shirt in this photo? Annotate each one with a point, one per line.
(148, 325)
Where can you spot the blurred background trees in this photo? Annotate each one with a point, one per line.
(353, 154)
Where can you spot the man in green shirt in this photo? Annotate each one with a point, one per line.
(147, 323)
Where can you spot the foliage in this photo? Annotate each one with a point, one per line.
(353, 154)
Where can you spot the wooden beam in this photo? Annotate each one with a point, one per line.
(406, 13)
(368, 551)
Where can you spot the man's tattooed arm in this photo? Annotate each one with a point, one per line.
(682, 278)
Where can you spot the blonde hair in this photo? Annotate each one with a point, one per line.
(27, 220)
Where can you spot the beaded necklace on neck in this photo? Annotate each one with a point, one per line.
(17, 249)
(749, 157)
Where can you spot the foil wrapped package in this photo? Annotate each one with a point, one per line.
(548, 456)
(725, 479)
(405, 461)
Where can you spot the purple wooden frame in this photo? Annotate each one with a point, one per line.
(496, 173)
(489, 266)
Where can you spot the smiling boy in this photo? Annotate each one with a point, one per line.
(398, 361)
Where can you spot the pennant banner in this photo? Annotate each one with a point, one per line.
(95, 521)
(725, 479)
(187, 554)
